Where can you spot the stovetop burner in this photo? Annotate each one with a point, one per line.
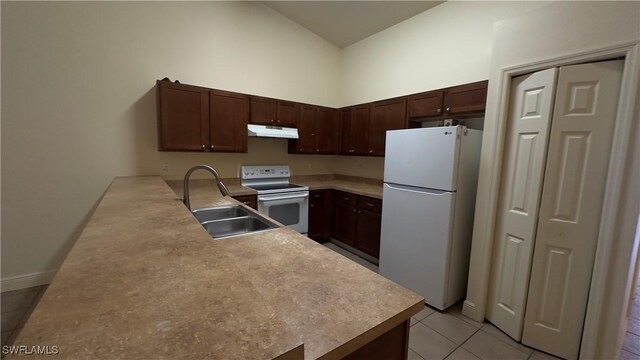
(274, 187)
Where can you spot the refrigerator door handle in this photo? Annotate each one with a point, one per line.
(416, 189)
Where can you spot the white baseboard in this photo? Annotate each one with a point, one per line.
(27, 280)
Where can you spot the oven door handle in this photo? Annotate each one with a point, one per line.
(277, 197)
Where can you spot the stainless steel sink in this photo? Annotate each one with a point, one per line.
(226, 221)
(221, 229)
(219, 213)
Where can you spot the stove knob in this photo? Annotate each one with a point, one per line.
(252, 173)
(281, 171)
(246, 173)
(286, 171)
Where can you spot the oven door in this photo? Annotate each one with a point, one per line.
(290, 209)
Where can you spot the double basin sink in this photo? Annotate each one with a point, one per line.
(222, 222)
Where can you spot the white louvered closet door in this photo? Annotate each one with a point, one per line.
(571, 207)
(531, 104)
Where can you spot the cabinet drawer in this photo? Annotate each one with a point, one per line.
(346, 198)
(316, 195)
(249, 200)
(370, 204)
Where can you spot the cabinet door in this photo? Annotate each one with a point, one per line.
(229, 114)
(368, 232)
(359, 129)
(316, 214)
(466, 99)
(287, 113)
(327, 131)
(425, 104)
(345, 131)
(183, 117)
(344, 223)
(385, 115)
(306, 143)
(263, 111)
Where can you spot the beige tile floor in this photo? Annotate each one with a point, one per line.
(450, 335)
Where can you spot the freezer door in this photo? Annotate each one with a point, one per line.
(426, 158)
(415, 240)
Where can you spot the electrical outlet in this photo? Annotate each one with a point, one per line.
(165, 168)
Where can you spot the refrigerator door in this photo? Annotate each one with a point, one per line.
(416, 239)
(426, 157)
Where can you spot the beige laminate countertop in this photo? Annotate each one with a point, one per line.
(203, 192)
(146, 281)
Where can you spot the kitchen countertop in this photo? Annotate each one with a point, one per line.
(145, 280)
(204, 192)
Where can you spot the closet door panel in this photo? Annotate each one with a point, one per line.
(571, 206)
(531, 103)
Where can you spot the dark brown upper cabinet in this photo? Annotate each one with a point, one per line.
(192, 118)
(354, 125)
(306, 143)
(466, 99)
(425, 104)
(462, 100)
(318, 131)
(385, 115)
(327, 131)
(229, 114)
(263, 111)
(183, 117)
(287, 113)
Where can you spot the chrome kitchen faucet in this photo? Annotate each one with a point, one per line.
(185, 197)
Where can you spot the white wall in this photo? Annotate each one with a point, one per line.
(78, 105)
(447, 45)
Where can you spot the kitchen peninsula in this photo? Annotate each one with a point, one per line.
(145, 280)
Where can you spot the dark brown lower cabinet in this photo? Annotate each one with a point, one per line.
(368, 232)
(319, 215)
(392, 345)
(344, 223)
(249, 200)
(356, 221)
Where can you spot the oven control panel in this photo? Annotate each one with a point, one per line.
(264, 172)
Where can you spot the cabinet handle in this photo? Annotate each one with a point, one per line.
(204, 147)
(300, 149)
(354, 210)
(311, 205)
(370, 204)
(278, 121)
(212, 146)
(317, 150)
(345, 198)
(272, 120)
(448, 109)
(351, 151)
(370, 151)
(359, 212)
(439, 110)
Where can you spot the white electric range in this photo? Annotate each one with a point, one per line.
(278, 198)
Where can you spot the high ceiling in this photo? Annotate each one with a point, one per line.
(343, 23)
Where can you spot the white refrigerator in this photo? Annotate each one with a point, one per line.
(430, 181)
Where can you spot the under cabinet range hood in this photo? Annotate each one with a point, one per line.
(272, 131)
